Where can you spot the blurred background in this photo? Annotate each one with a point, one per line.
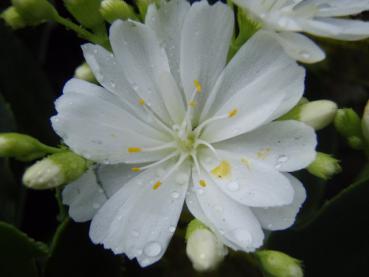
(34, 65)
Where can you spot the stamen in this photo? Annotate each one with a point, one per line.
(170, 172)
(160, 161)
(233, 113)
(197, 86)
(192, 104)
(223, 170)
(202, 183)
(156, 185)
(141, 101)
(135, 169)
(202, 142)
(161, 147)
(134, 150)
(196, 162)
(230, 114)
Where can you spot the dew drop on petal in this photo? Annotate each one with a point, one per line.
(242, 236)
(304, 54)
(152, 249)
(172, 229)
(175, 194)
(233, 186)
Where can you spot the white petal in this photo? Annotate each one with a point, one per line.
(84, 197)
(167, 22)
(137, 49)
(342, 29)
(283, 145)
(340, 7)
(300, 47)
(110, 75)
(248, 181)
(280, 218)
(139, 220)
(206, 36)
(172, 97)
(255, 82)
(92, 122)
(233, 221)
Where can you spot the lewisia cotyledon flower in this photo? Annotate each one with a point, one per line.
(174, 124)
(285, 18)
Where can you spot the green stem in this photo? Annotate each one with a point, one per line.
(51, 150)
(83, 33)
(62, 212)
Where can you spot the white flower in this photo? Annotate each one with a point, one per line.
(285, 18)
(172, 123)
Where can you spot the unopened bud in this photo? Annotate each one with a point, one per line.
(22, 147)
(13, 19)
(112, 10)
(324, 166)
(85, 11)
(348, 123)
(142, 5)
(204, 248)
(84, 72)
(55, 170)
(318, 114)
(278, 264)
(35, 12)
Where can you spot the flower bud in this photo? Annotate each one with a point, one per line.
(324, 166)
(112, 10)
(84, 72)
(318, 114)
(203, 248)
(35, 12)
(22, 147)
(348, 123)
(142, 6)
(85, 11)
(13, 19)
(55, 170)
(278, 264)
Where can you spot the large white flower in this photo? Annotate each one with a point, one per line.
(172, 123)
(285, 18)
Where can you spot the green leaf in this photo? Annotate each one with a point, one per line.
(336, 242)
(18, 252)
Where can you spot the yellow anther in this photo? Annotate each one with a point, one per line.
(223, 170)
(246, 162)
(263, 153)
(156, 185)
(202, 183)
(134, 149)
(192, 104)
(141, 101)
(197, 85)
(136, 169)
(232, 113)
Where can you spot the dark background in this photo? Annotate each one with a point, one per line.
(34, 65)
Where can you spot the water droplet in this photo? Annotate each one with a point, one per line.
(304, 54)
(113, 85)
(138, 252)
(270, 226)
(280, 160)
(200, 191)
(233, 186)
(242, 236)
(152, 249)
(95, 51)
(175, 194)
(172, 229)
